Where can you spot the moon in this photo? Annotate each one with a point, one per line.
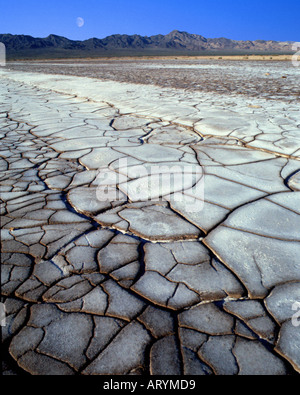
(79, 22)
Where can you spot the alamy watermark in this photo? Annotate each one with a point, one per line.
(2, 55)
(296, 316)
(181, 184)
(2, 315)
(296, 56)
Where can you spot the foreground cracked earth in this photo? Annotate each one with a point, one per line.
(180, 284)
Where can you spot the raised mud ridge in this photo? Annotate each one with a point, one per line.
(129, 287)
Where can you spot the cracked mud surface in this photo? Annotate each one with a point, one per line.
(270, 80)
(178, 280)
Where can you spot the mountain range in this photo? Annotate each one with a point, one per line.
(176, 42)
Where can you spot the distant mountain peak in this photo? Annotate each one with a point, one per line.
(175, 32)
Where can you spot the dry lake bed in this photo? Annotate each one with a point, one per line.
(150, 217)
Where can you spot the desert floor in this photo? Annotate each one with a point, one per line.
(150, 217)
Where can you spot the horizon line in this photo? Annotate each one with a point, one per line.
(153, 35)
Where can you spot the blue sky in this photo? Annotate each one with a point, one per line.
(235, 19)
